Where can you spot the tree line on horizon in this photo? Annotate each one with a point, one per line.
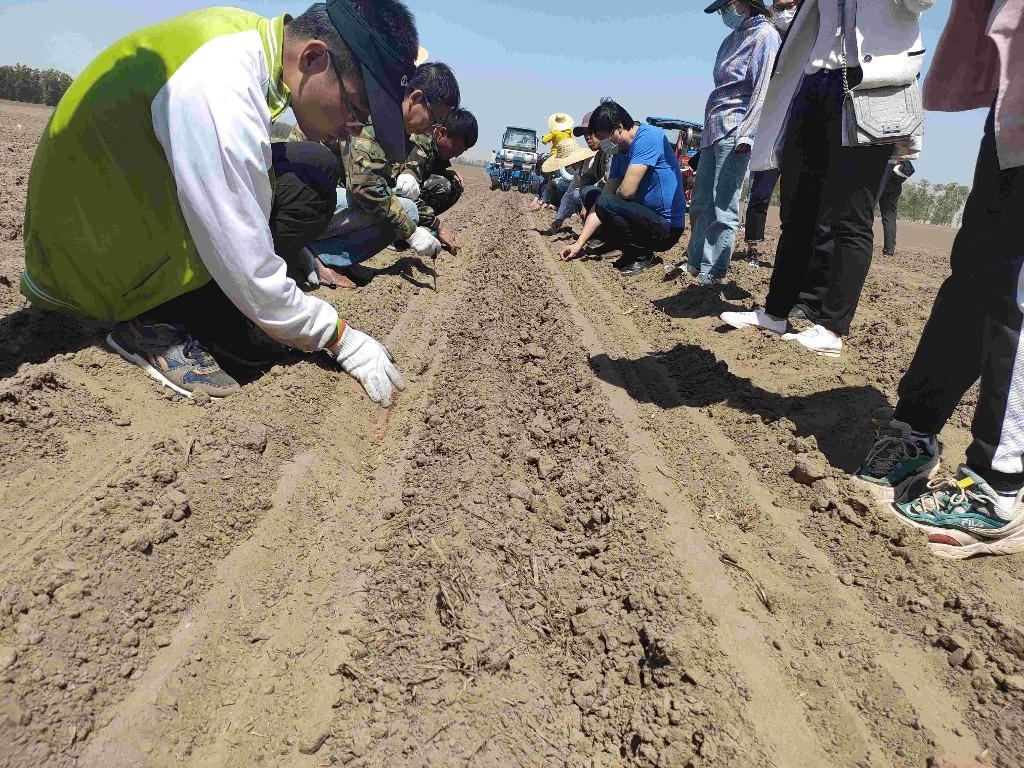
(35, 86)
(921, 201)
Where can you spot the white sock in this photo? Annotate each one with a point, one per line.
(1004, 504)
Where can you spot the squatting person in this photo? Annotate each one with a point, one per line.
(151, 203)
(641, 207)
(430, 164)
(375, 205)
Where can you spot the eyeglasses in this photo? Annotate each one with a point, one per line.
(355, 121)
(434, 122)
(727, 7)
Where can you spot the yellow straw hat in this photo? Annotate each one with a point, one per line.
(566, 152)
(560, 122)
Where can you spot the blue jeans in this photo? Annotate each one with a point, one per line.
(570, 204)
(355, 235)
(715, 207)
(556, 186)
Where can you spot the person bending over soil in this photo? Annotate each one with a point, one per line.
(157, 201)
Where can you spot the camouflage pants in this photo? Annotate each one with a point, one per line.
(440, 193)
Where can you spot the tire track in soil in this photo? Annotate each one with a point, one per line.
(872, 692)
(508, 622)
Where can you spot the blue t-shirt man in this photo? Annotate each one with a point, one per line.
(662, 187)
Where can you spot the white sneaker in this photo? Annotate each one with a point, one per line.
(818, 339)
(756, 319)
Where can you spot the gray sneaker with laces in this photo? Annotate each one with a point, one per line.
(896, 462)
(172, 357)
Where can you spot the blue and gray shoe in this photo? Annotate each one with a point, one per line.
(896, 462)
(963, 503)
(172, 357)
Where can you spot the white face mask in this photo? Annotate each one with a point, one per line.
(784, 18)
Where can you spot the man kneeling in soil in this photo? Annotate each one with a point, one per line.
(376, 204)
(430, 164)
(641, 207)
(157, 200)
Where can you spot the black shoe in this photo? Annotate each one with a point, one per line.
(358, 274)
(636, 267)
(243, 343)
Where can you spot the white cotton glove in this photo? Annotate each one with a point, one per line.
(369, 362)
(407, 186)
(425, 244)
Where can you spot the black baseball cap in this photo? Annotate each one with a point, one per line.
(584, 127)
(719, 4)
(386, 74)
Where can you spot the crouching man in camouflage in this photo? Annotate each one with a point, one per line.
(374, 209)
(430, 164)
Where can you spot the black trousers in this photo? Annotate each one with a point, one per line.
(633, 227)
(815, 286)
(817, 169)
(888, 202)
(762, 185)
(305, 194)
(974, 330)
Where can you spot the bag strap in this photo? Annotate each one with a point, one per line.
(842, 48)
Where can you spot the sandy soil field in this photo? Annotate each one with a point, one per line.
(596, 530)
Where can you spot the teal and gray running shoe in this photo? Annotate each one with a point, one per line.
(172, 357)
(965, 503)
(896, 462)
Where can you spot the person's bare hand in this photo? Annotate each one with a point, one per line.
(571, 252)
(456, 176)
(448, 239)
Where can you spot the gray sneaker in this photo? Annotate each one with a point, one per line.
(896, 463)
(172, 357)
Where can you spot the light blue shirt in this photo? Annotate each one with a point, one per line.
(742, 70)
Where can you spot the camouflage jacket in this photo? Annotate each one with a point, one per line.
(423, 162)
(370, 181)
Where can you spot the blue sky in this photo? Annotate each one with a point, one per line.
(516, 62)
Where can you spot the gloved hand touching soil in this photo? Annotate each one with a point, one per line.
(407, 186)
(425, 244)
(369, 362)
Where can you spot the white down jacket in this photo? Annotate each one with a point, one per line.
(888, 50)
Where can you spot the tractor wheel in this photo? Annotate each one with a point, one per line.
(505, 186)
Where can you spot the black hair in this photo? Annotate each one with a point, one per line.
(389, 18)
(609, 114)
(756, 9)
(438, 83)
(461, 124)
